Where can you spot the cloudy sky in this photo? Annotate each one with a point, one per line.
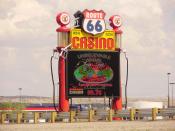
(27, 37)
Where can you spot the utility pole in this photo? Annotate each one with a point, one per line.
(20, 95)
(172, 92)
(168, 74)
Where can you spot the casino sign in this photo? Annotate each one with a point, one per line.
(94, 35)
(93, 62)
(94, 21)
(84, 41)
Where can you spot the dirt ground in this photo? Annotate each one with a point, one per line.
(94, 126)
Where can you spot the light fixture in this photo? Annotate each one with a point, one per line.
(115, 21)
(63, 19)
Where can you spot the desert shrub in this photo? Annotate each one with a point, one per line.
(13, 107)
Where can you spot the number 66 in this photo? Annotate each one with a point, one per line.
(90, 26)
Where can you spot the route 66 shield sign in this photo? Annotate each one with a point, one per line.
(94, 22)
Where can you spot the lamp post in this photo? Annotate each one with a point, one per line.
(20, 97)
(168, 74)
(172, 92)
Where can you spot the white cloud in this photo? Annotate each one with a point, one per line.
(8, 58)
(5, 7)
(41, 56)
(27, 36)
(28, 18)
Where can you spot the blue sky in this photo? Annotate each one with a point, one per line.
(27, 37)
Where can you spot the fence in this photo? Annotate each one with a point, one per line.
(87, 115)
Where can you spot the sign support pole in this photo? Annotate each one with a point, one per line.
(63, 19)
(117, 102)
(63, 101)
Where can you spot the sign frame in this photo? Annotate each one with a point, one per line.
(110, 92)
(94, 22)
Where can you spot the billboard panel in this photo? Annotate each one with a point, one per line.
(93, 74)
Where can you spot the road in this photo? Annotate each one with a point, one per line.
(168, 125)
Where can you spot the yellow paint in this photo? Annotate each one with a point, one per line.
(81, 40)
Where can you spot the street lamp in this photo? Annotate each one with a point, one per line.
(168, 74)
(20, 97)
(172, 92)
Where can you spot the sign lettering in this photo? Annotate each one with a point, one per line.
(83, 41)
(94, 22)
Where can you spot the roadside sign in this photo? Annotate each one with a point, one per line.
(84, 41)
(93, 74)
(94, 22)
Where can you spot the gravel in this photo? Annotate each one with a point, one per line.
(168, 125)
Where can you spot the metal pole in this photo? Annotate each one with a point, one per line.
(110, 103)
(172, 96)
(168, 74)
(117, 101)
(172, 93)
(104, 100)
(20, 97)
(71, 102)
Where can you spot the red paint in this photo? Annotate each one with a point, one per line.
(117, 105)
(115, 21)
(92, 43)
(63, 29)
(102, 40)
(117, 102)
(63, 19)
(118, 31)
(93, 14)
(83, 42)
(110, 46)
(39, 109)
(114, 26)
(63, 101)
(95, 92)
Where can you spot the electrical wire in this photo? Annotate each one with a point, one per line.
(126, 84)
(62, 54)
(53, 83)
